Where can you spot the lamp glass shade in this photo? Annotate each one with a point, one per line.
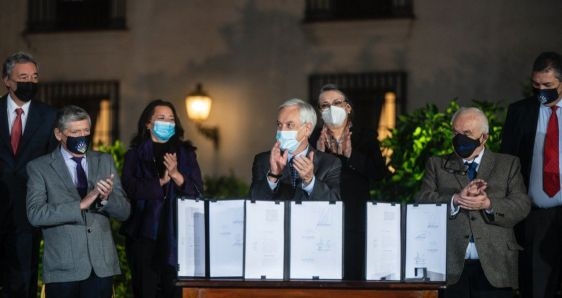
(198, 107)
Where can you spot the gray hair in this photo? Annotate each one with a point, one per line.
(70, 114)
(307, 112)
(485, 128)
(11, 61)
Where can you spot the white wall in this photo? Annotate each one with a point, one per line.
(251, 55)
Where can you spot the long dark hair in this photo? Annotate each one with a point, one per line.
(142, 132)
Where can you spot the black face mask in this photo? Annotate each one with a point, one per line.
(26, 91)
(464, 146)
(546, 96)
(78, 145)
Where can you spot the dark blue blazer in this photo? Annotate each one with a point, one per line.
(518, 135)
(38, 139)
(153, 211)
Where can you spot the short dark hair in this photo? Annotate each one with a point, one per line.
(71, 113)
(548, 61)
(12, 60)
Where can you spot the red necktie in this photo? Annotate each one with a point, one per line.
(551, 175)
(16, 131)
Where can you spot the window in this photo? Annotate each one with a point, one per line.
(375, 97)
(333, 10)
(99, 98)
(68, 15)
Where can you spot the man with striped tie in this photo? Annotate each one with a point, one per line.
(293, 170)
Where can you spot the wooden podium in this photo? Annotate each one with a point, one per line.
(309, 288)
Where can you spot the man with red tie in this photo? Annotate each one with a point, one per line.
(26, 132)
(532, 132)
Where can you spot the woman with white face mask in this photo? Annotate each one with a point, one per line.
(362, 163)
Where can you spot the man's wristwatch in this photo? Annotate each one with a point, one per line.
(278, 176)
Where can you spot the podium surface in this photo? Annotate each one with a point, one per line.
(204, 288)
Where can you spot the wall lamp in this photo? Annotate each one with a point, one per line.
(198, 105)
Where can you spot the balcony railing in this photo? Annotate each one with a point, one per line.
(70, 15)
(335, 10)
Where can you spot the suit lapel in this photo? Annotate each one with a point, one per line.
(456, 166)
(4, 132)
(60, 168)
(486, 165)
(93, 164)
(34, 121)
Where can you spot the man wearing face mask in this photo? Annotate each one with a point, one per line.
(532, 132)
(26, 132)
(362, 163)
(72, 194)
(486, 197)
(292, 170)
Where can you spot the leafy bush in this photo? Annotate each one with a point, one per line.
(221, 187)
(121, 283)
(419, 135)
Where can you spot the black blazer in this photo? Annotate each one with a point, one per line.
(326, 186)
(37, 139)
(518, 136)
(365, 166)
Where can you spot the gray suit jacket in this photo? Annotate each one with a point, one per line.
(75, 241)
(327, 170)
(493, 233)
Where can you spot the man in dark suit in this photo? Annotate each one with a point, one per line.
(487, 197)
(292, 170)
(72, 194)
(26, 132)
(532, 132)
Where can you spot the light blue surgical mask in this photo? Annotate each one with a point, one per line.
(288, 140)
(163, 130)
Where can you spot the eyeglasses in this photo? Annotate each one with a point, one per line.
(454, 169)
(338, 102)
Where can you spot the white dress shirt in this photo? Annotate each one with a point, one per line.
(471, 253)
(536, 191)
(308, 188)
(12, 106)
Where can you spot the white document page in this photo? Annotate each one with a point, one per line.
(384, 252)
(316, 240)
(426, 241)
(226, 238)
(265, 226)
(191, 238)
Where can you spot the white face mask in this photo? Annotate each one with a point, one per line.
(334, 115)
(288, 140)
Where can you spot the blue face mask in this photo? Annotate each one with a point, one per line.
(163, 130)
(288, 140)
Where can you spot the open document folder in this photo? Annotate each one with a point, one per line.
(316, 240)
(265, 238)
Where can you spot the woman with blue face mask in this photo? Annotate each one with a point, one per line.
(362, 164)
(158, 169)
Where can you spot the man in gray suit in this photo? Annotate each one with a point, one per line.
(487, 197)
(72, 194)
(292, 170)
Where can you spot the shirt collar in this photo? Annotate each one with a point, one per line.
(302, 153)
(477, 159)
(67, 155)
(12, 106)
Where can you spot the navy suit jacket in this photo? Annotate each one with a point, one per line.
(519, 129)
(38, 139)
